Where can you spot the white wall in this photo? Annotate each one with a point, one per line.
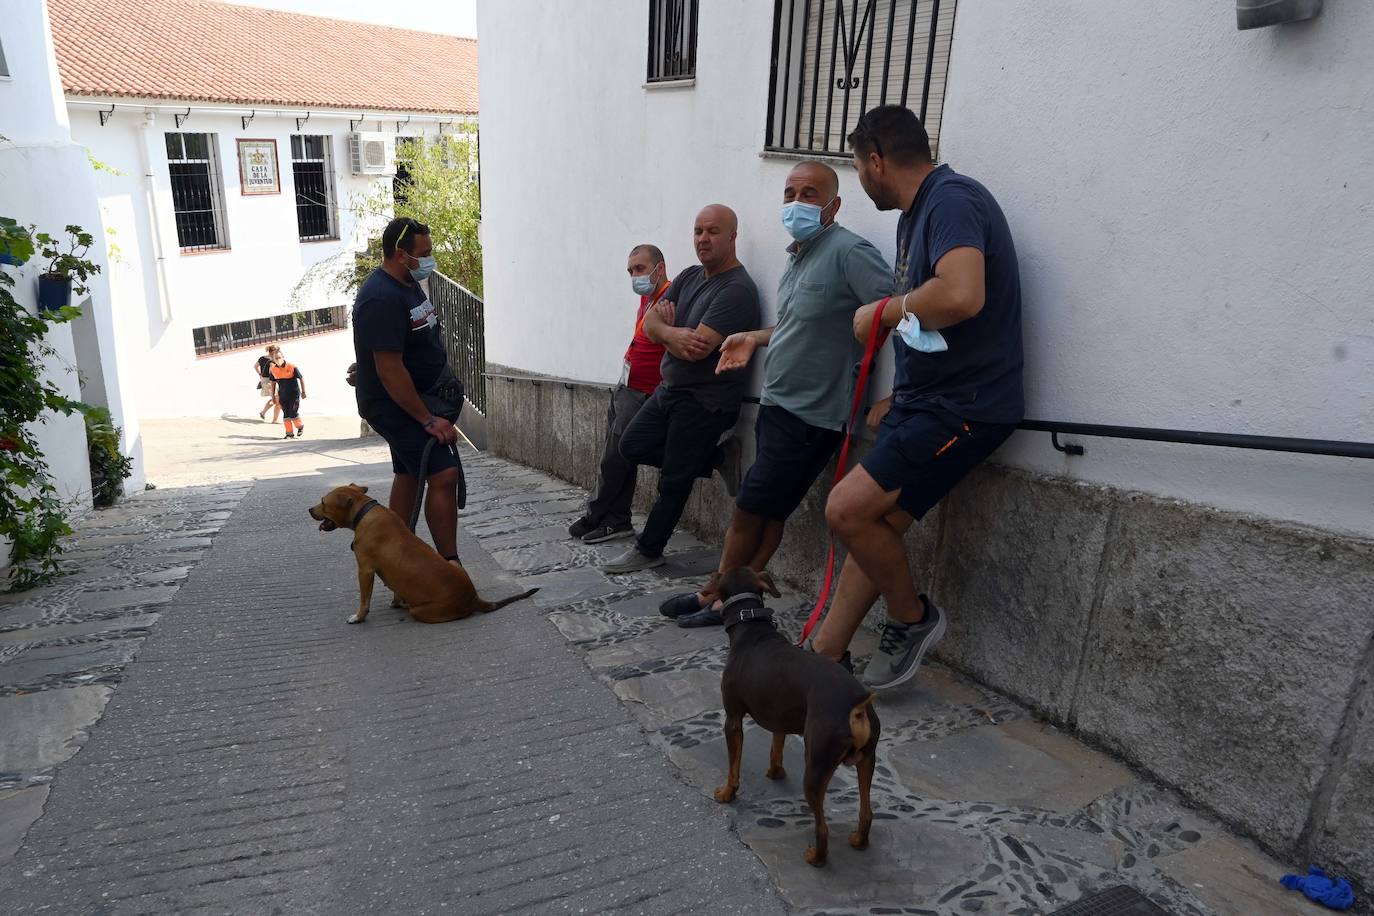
(45, 180)
(256, 278)
(1191, 206)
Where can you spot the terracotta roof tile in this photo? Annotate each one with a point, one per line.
(204, 51)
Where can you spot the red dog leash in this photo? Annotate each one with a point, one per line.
(877, 336)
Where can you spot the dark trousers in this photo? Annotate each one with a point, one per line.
(676, 434)
(615, 483)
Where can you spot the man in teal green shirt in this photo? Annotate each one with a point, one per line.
(808, 374)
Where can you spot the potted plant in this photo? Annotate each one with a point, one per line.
(67, 270)
(12, 239)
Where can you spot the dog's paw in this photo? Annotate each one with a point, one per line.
(858, 839)
(813, 857)
(356, 619)
(775, 773)
(725, 794)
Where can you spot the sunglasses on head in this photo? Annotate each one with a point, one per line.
(410, 224)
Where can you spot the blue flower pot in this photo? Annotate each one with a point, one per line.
(6, 257)
(54, 293)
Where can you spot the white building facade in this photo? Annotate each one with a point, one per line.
(236, 196)
(202, 286)
(1192, 212)
(36, 146)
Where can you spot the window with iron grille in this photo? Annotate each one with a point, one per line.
(197, 191)
(672, 40)
(834, 60)
(312, 165)
(256, 332)
(407, 148)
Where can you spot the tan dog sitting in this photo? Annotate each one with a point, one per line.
(435, 590)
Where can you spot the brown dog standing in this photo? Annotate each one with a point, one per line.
(790, 691)
(435, 590)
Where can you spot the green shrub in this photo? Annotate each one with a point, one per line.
(109, 466)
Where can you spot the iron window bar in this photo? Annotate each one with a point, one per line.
(312, 169)
(833, 60)
(672, 40)
(197, 191)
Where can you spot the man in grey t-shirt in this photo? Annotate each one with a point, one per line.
(679, 428)
(808, 373)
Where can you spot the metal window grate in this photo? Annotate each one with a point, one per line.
(312, 166)
(1117, 901)
(407, 149)
(238, 335)
(672, 40)
(834, 60)
(197, 191)
(463, 325)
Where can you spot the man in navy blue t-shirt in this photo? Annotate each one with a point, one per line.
(956, 395)
(400, 352)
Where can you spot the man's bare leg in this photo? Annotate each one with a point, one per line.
(742, 542)
(403, 490)
(441, 511)
(768, 544)
(866, 519)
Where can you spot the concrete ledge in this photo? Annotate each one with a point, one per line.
(1226, 656)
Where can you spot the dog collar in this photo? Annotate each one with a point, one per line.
(367, 507)
(744, 608)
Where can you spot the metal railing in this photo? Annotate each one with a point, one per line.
(462, 322)
(672, 40)
(239, 335)
(835, 59)
(1333, 447)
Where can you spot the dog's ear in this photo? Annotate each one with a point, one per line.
(765, 584)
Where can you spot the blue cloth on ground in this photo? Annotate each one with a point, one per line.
(1334, 893)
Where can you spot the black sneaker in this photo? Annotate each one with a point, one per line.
(289, 436)
(301, 432)
(581, 528)
(608, 533)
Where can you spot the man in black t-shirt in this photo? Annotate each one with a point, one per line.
(956, 394)
(678, 429)
(400, 354)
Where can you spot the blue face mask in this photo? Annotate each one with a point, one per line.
(643, 285)
(426, 267)
(922, 341)
(802, 221)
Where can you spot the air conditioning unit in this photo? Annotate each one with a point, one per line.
(372, 153)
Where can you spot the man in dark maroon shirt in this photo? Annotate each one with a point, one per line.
(608, 512)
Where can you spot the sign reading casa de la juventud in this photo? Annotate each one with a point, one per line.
(258, 172)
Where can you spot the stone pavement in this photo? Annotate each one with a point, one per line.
(261, 756)
(979, 808)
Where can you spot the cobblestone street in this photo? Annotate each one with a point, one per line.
(258, 755)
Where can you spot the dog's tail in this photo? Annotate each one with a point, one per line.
(489, 606)
(860, 728)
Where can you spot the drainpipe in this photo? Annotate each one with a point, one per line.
(145, 147)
